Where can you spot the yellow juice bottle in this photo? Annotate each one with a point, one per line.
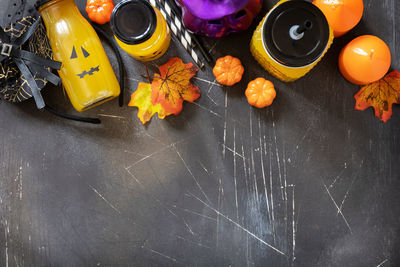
(140, 29)
(86, 72)
(291, 39)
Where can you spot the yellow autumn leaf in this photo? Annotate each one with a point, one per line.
(141, 99)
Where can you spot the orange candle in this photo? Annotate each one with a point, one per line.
(342, 15)
(364, 60)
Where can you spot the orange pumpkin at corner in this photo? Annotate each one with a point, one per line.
(260, 93)
(99, 11)
(342, 15)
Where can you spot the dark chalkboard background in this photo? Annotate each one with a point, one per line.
(305, 182)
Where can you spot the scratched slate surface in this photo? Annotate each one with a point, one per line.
(306, 182)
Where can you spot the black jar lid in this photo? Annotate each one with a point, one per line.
(133, 21)
(281, 35)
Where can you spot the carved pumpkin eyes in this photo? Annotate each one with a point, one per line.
(85, 53)
(75, 55)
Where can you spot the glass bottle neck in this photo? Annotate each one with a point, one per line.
(58, 8)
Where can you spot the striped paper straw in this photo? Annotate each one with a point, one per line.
(196, 43)
(177, 28)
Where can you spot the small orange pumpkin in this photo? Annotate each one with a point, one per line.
(99, 11)
(260, 93)
(228, 70)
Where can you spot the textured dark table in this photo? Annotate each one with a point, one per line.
(306, 182)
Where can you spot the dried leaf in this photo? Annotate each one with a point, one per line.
(141, 99)
(380, 95)
(173, 86)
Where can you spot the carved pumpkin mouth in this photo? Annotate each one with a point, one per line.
(90, 72)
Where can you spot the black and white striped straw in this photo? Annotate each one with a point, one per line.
(178, 29)
(196, 43)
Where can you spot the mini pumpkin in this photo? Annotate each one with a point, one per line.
(228, 70)
(99, 11)
(260, 93)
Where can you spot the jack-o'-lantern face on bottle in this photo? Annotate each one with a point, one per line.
(91, 70)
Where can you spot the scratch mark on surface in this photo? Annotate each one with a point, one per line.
(293, 228)
(212, 100)
(339, 175)
(133, 79)
(383, 262)
(211, 86)
(161, 254)
(285, 190)
(213, 46)
(238, 122)
(6, 242)
(159, 201)
(225, 122)
(19, 190)
(152, 137)
(111, 116)
(234, 172)
(196, 213)
(239, 226)
(136, 153)
(204, 168)
(252, 158)
(247, 249)
(284, 173)
(347, 194)
(15, 260)
(244, 165)
(206, 81)
(234, 152)
(219, 208)
(208, 92)
(277, 157)
(158, 151)
(300, 142)
(272, 192)
(105, 200)
(262, 167)
(337, 207)
(298, 215)
(187, 226)
(149, 156)
(192, 175)
(250, 262)
(157, 177)
(192, 242)
(43, 160)
(209, 110)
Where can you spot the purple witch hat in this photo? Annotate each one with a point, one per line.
(217, 18)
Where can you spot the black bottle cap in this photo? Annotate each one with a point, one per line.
(296, 33)
(133, 21)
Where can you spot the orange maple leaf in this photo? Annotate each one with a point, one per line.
(380, 95)
(173, 86)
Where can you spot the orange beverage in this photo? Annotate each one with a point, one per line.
(86, 72)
